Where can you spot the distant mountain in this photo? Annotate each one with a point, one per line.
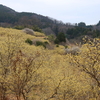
(7, 14)
(4, 9)
(11, 18)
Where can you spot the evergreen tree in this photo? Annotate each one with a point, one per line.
(60, 38)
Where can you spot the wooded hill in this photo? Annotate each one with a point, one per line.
(20, 20)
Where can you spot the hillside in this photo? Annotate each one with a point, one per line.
(30, 72)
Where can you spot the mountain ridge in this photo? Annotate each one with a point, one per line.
(20, 20)
(28, 19)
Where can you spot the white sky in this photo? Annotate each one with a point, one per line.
(73, 11)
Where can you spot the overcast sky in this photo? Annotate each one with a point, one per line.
(73, 11)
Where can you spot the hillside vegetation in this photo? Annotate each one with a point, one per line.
(30, 72)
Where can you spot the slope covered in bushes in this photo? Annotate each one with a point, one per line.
(29, 72)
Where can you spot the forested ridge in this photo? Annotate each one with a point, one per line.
(20, 20)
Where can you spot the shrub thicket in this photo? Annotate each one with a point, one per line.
(28, 41)
(39, 43)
